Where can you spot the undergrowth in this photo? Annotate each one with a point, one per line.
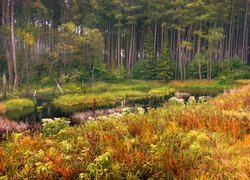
(199, 140)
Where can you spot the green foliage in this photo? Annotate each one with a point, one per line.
(101, 167)
(165, 65)
(138, 71)
(111, 93)
(18, 104)
(118, 74)
(233, 69)
(100, 71)
(146, 68)
(200, 84)
(51, 127)
(215, 34)
(176, 101)
(193, 67)
(165, 69)
(191, 101)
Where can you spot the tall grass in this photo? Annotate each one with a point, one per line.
(18, 104)
(109, 96)
(199, 84)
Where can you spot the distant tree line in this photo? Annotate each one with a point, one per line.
(86, 39)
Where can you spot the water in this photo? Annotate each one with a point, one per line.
(45, 109)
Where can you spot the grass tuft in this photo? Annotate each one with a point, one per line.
(18, 104)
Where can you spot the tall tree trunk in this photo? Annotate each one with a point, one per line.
(13, 44)
(162, 37)
(109, 47)
(230, 35)
(244, 45)
(237, 36)
(199, 53)
(134, 52)
(119, 48)
(131, 48)
(155, 37)
(4, 85)
(180, 54)
(127, 52)
(5, 44)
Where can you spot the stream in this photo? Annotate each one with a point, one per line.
(45, 109)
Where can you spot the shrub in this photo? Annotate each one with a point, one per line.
(2, 108)
(176, 101)
(51, 127)
(8, 126)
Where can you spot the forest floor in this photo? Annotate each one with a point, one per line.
(199, 139)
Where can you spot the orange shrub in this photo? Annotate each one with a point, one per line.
(2, 108)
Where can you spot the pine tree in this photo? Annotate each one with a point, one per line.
(165, 66)
(150, 60)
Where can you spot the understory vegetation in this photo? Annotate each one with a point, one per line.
(200, 139)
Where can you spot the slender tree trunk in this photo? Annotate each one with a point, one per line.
(199, 53)
(112, 50)
(119, 48)
(13, 44)
(142, 44)
(5, 43)
(4, 85)
(230, 34)
(162, 37)
(127, 52)
(109, 47)
(26, 63)
(237, 36)
(180, 54)
(131, 48)
(155, 37)
(134, 49)
(244, 46)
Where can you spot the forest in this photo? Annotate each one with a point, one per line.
(124, 89)
(112, 39)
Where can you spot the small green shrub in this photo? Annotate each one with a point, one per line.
(191, 101)
(53, 126)
(176, 101)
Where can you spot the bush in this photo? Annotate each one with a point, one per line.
(8, 126)
(233, 69)
(2, 108)
(116, 75)
(176, 101)
(53, 126)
